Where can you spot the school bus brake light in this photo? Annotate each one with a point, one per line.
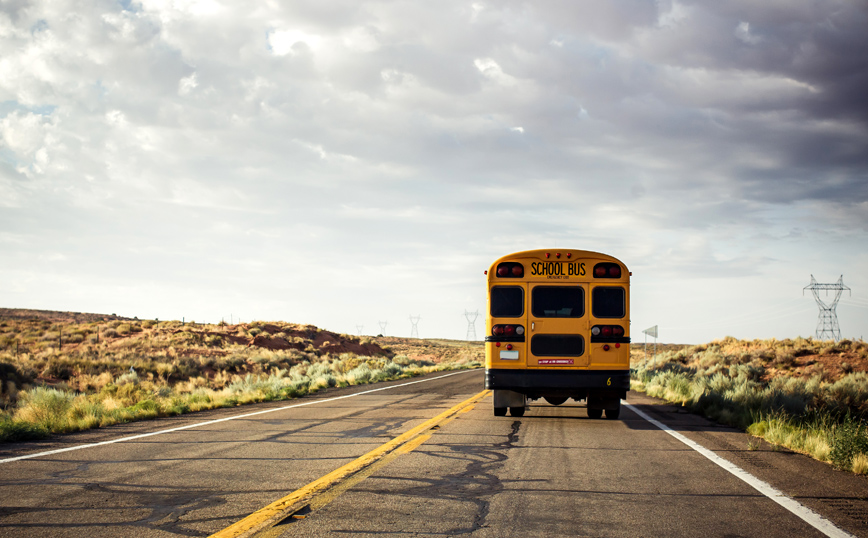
(607, 270)
(507, 330)
(510, 270)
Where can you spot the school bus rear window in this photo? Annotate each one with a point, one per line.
(557, 345)
(558, 302)
(608, 302)
(507, 301)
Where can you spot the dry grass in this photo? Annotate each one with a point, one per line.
(810, 396)
(60, 376)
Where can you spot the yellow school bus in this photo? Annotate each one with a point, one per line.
(558, 327)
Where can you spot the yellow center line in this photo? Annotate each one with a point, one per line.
(281, 508)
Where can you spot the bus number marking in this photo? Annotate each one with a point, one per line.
(557, 270)
(609, 382)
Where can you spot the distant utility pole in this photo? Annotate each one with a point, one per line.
(383, 327)
(827, 322)
(471, 324)
(360, 328)
(414, 331)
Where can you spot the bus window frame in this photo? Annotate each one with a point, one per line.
(624, 301)
(583, 302)
(491, 304)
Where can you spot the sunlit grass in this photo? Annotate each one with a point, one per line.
(729, 382)
(124, 371)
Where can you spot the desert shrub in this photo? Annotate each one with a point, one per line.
(214, 340)
(359, 375)
(58, 369)
(75, 338)
(46, 408)
(849, 440)
(110, 333)
(12, 430)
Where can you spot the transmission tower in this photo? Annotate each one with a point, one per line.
(414, 332)
(471, 324)
(383, 326)
(360, 328)
(827, 322)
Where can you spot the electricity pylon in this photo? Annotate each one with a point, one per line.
(471, 324)
(414, 332)
(360, 328)
(827, 322)
(383, 326)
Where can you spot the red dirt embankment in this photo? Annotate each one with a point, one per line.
(302, 336)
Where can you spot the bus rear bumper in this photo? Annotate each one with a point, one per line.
(577, 384)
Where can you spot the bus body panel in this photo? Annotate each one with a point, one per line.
(561, 301)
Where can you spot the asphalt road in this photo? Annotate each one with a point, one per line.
(552, 472)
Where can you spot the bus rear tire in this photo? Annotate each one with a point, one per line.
(595, 413)
(516, 411)
(555, 400)
(613, 414)
(500, 411)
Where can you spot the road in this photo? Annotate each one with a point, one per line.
(553, 472)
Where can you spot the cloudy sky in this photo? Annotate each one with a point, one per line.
(347, 162)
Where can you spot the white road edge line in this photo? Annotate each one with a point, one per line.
(812, 518)
(208, 423)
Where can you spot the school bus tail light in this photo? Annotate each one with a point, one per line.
(609, 333)
(510, 270)
(607, 270)
(507, 330)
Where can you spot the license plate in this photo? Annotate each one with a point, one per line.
(509, 355)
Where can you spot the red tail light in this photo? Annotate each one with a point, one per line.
(510, 270)
(607, 270)
(608, 333)
(507, 331)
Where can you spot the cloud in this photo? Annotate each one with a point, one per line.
(721, 140)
